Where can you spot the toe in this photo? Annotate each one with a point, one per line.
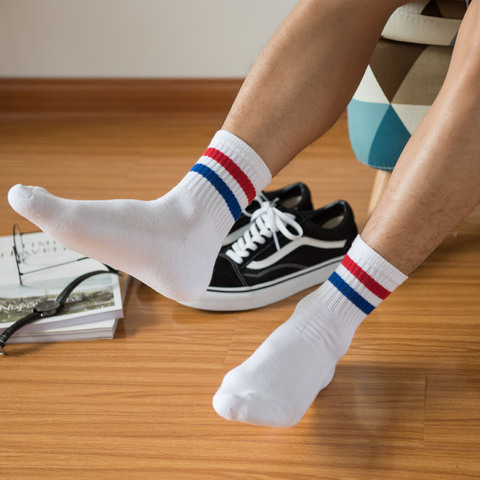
(250, 408)
(19, 198)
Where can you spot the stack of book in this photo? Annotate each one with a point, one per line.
(38, 269)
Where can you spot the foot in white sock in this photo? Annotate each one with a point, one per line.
(279, 382)
(170, 243)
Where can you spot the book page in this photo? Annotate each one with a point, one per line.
(47, 269)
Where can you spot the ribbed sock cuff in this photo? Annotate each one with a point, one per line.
(245, 157)
(226, 178)
(360, 283)
(375, 265)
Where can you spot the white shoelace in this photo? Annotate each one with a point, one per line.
(260, 198)
(266, 221)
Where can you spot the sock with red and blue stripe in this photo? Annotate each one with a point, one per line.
(170, 243)
(360, 283)
(226, 179)
(279, 382)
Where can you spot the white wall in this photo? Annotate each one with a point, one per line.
(135, 38)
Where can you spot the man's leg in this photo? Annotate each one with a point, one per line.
(434, 186)
(307, 75)
(297, 89)
(436, 182)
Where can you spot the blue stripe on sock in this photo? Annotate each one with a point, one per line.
(222, 188)
(345, 289)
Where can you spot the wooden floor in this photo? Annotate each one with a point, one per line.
(404, 403)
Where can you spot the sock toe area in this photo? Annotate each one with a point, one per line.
(20, 198)
(249, 408)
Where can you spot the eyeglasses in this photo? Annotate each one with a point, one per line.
(22, 255)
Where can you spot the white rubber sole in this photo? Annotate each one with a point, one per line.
(249, 298)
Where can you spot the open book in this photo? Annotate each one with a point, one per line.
(92, 310)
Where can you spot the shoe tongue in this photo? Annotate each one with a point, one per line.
(297, 217)
(302, 216)
(279, 206)
(253, 206)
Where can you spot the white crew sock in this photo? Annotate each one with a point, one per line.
(170, 243)
(279, 382)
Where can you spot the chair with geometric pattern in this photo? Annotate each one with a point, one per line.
(404, 76)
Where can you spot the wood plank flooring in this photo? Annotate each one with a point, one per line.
(405, 401)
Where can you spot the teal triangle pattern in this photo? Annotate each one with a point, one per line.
(389, 142)
(377, 134)
(364, 119)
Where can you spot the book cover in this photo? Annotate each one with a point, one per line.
(47, 268)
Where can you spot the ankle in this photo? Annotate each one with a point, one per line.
(227, 177)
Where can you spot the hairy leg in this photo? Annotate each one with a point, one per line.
(436, 182)
(434, 186)
(306, 75)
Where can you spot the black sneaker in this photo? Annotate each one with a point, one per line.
(283, 252)
(297, 195)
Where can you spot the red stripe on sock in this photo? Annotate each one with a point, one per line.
(234, 170)
(365, 278)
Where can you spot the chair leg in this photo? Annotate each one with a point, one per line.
(381, 180)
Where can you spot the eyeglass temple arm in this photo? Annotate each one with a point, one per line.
(61, 299)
